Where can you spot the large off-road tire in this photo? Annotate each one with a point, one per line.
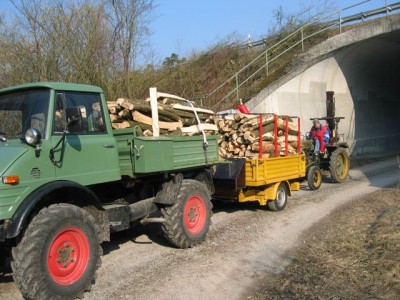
(280, 201)
(314, 178)
(339, 165)
(59, 254)
(188, 220)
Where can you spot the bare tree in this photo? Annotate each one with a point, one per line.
(88, 41)
(284, 22)
(130, 19)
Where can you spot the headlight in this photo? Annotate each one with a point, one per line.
(32, 136)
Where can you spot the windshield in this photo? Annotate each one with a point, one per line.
(20, 111)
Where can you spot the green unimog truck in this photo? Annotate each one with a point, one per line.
(68, 180)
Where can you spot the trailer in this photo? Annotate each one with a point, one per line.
(267, 180)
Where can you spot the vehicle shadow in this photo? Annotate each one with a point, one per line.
(6, 276)
(152, 233)
(232, 207)
(5, 269)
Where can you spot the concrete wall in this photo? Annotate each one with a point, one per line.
(365, 76)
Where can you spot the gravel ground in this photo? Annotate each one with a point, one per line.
(244, 242)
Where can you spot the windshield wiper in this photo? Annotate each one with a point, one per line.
(3, 139)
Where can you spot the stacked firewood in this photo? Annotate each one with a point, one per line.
(238, 133)
(176, 117)
(239, 136)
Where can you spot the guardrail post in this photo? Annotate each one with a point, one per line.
(387, 11)
(266, 61)
(237, 86)
(302, 39)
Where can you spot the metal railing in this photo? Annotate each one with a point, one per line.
(294, 39)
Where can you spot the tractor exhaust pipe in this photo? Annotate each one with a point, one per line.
(330, 104)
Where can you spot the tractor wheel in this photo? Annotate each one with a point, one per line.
(280, 201)
(59, 254)
(188, 220)
(314, 178)
(339, 165)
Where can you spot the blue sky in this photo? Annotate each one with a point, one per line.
(183, 25)
(180, 26)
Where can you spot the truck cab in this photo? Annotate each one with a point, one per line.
(37, 146)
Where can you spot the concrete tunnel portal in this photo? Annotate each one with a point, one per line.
(365, 76)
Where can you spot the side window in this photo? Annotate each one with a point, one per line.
(84, 108)
(38, 121)
(11, 123)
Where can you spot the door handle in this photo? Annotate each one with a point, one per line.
(109, 146)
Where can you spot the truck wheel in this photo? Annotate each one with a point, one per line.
(58, 255)
(339, 165)
(188, 220)
(314, 178)
(280, 199)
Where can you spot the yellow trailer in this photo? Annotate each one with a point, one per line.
(266, 180)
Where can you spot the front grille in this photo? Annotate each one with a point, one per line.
(35, 173)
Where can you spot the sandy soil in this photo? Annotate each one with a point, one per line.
(244, 242)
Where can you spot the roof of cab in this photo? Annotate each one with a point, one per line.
(61, 86)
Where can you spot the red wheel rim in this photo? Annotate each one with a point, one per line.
(68, 256)
(195, 214)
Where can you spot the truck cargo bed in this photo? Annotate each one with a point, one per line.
(144, 155)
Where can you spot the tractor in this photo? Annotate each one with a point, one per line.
(336, 158)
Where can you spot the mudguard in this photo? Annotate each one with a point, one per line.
(21, 216)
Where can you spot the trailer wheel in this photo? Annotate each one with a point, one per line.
(314, 178)
(339, 165)
(280, 201)
(58, 255)
(188, 220)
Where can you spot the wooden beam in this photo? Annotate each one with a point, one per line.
(197, 109)
(165, 95)
(154, 112)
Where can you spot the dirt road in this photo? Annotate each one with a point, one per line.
(243, 243)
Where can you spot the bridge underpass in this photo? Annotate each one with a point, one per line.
(362, 67)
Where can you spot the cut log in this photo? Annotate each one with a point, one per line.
(266, 147)
(113, 117)
(112, 104)
(114, 109)
(248, 137)
(291, 138)
(139, 117)
(147, 132)
(125, 114)
(124, 124)
(125, 103)
(197, 128)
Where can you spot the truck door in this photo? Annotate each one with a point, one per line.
(87, 154)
